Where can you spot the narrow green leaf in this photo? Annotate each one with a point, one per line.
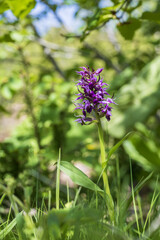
(114, 148)
(126, 203)
(58, 180)
(2, 198)
(8, 228)
(78, 176)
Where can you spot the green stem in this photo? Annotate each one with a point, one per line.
(58, 181)
(105, 177)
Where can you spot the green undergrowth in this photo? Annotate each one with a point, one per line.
(82, 213)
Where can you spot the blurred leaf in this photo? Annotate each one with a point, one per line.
(144, 151)
(6, 92)
(18, 37)
(78, 176)
(20, 225)
(131, 9)
(87, 4)
(3, 109)
(127, 29)
(137, 100)
(114, 148)
(4, 6)
(20, 8)
(86, 222)
(15, 84)
(153, 232)
(75, 215)
(151, 16)
(127, 201)
(111, 8)
(8, 228)
(2, 198)
(6, 38)
(105, 18)
(121, 79)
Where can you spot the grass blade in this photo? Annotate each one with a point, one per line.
(9, 227)
(2, 198)
(134, 202)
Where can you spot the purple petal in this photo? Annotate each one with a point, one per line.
(98, 71)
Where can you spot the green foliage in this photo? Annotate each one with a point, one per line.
(73, 225)
(4, 6)
(19, 8)
(37, 81)
(144, 150)
(127, 29)
(139, 98)
(7, 229)
(151, 16)
(78, 176)
(115, 147)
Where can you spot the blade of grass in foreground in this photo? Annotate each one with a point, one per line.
(134, 202)
(2, 198)
(8, 228)
(49, 200)
(154, 198)
(126, 202)
(137, 188)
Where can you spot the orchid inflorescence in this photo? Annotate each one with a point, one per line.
(93, 95)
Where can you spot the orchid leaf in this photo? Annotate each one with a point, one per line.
(114, 148)
(78, 176)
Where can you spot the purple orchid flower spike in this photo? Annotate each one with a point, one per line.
(94, 103)
(92, 94)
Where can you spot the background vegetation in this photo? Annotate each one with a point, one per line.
(37, 89)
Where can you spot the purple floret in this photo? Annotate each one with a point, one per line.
(92, 94)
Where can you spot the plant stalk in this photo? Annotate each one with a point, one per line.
(58, 181)
(104, 175)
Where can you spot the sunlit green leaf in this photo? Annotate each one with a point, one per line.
(6, 92)
(20, 8)
(78, 176)
(8, 229)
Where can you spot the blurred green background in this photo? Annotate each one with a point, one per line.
(42, 45)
